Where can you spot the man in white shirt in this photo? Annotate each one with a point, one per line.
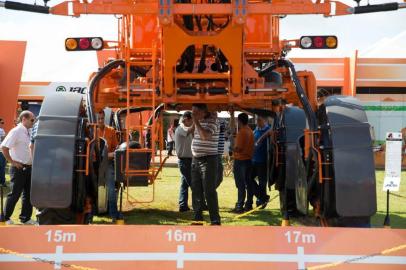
(183, 145)
(3, 160)
(16, 150)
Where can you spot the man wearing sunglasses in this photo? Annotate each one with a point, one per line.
(16, 150)
(3, 160)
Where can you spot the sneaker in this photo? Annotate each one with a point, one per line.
(10, 222)
(247, 208)
(265, 202)
(215, 223)
(30, 222)
(238, 210)
(198, 217)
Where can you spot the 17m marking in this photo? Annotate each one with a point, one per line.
(298, 237)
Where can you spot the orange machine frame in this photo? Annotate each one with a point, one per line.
(150, 34)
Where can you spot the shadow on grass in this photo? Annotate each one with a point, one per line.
(271, 217)
(155, 216)
(260, 217)
(166, 217)
(396, 220)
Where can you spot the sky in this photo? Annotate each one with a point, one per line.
(374, 35)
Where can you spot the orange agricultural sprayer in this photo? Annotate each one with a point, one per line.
(170, 54)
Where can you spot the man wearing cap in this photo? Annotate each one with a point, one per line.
(16, 150)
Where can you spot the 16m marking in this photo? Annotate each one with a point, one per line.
(180, 236)
(298, 237)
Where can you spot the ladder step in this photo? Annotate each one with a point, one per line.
(140, 150)
(140, 63)
(142, 126)
(137, 174)
(203, 76)
(135, 90)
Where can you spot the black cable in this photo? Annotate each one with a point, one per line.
(269, 67)
(397, 195)
(26, 7)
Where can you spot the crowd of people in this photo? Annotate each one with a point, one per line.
(200, 143)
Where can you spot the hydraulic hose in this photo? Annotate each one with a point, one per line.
(310, 114)
(94, 83)
(24, 7)
(377, 8)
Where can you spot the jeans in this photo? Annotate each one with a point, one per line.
(185, 167)
(241, 171)
(170, 147)
(204, 177)
(20, 180)
(3, 163)
(220, 170)
(258, 189)
(111, 192)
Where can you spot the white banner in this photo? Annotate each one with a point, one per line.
(42, 89)
(393, 161)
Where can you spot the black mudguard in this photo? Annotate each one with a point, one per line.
(353, 161)
(292, 180)
(54, 151)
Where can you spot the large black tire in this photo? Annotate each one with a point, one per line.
(51, 216)
(356, 222)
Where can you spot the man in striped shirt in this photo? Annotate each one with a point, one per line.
(205, 162)
(222, 137)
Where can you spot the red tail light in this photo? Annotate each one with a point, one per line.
(84, 44)
(318, 42)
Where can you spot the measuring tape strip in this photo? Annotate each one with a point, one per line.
(73, 266)
(384, 252)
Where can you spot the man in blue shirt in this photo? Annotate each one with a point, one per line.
(259, 161)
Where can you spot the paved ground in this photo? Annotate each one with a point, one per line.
(171, 162)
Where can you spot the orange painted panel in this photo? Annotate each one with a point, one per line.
(258, 29)
(11, 66)
(145, 31)
(198, 247)
(135, 118)
(381, 72)
(104, 55)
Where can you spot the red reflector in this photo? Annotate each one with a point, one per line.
(84, 43)
(318, 42)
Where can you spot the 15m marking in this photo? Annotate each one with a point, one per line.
(58, 236)
(298, 237)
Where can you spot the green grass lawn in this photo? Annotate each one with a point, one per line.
(164, 208)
